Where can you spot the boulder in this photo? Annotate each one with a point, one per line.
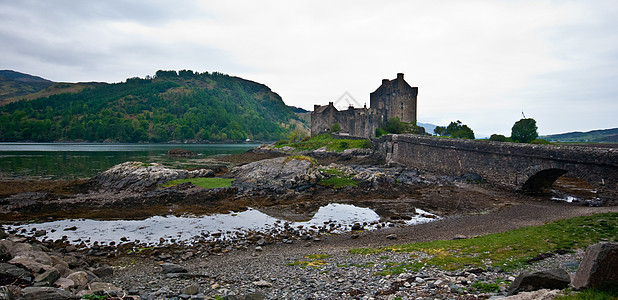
(139, 177)
(276, 175)
(103, 271)
(172, 268)
(80, 278)
(599, 266)
(193, 289)
(45, 293)
(109, 288)
(14, 274)
(549, 279)
(64, 283)
(47, 278)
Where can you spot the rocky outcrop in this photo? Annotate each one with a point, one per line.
(599, 266)
(276, 175)
(137, 176)
(31, 270)
(550, 279)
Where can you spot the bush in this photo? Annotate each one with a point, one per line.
(335, 127)
(280, 143)
(540, 142)
(497, 138)
(380, 132)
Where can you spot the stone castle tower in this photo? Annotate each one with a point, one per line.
(394, 98)
(397, 98)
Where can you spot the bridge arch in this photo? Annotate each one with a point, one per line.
(542, 181)
(511, 165)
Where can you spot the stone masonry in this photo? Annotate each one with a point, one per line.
(516, 166)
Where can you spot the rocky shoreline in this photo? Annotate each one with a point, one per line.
(291, 263)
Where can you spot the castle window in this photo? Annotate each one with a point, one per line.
(402, 106)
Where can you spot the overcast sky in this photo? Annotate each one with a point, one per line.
(481, 62)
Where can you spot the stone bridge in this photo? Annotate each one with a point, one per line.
(524, 167)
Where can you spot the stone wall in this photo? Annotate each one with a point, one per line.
(511, 165)
(360, 122)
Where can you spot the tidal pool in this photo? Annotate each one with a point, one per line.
(333, 218)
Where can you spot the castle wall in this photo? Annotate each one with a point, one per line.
(394, 98)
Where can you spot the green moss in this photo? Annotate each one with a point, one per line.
(302, 157)
(332, 171)
(317, 256)
(326, 140)
(393, 268)
(338, 182)
(208, 183)
(511, 249)
(609, 292)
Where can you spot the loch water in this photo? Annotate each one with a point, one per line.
(83, 160)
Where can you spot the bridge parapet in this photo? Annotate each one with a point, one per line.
(507, 164)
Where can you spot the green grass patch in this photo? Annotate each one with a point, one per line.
(326, 140)
(315, 260)
(332, 171)
(302, 157)
(338, 182)
(365, 265)
(485, 287)
(208, 183)
(317, 256)
(511, 249)
(609, 292)
(393, 268)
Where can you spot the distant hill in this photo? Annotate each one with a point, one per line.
(15, 84)
(599, 136)
(171, 106)
(428, 127)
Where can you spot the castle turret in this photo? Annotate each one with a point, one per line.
(396, 98)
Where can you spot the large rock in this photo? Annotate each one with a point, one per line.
(45, 293)
(599, 266)
(47, 278)
(137, 176)
(550, 279)
(276, 174)
(14, 274)
(80, 278)
(172, 268)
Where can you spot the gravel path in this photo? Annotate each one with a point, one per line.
(263, 272)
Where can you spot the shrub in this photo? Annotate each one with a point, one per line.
(497, 138)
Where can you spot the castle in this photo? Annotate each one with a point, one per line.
(394, 98)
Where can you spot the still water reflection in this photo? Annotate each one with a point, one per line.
(79, 160)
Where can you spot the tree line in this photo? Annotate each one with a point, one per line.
(171, 105)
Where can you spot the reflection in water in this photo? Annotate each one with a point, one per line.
(71, 161)
(333, 217)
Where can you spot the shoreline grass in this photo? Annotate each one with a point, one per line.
(207, 183)
(508, 250)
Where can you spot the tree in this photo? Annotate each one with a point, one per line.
(524, 131)
(335, 127)
(459, 130)
(440, 130)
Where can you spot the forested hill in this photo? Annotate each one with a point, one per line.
(171, 106)
(15, 84)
